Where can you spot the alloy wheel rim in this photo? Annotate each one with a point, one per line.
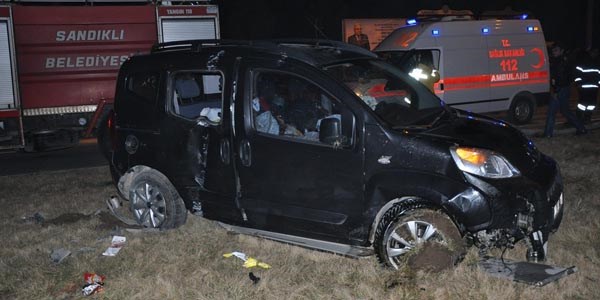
(149, 205)
(402, 238)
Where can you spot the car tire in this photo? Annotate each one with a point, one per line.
(419, 235)
(154, 201)
(522, 109)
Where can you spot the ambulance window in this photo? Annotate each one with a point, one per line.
(408, 60)
(144, 86)
(196, 94)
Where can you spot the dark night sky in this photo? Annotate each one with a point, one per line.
(257, 19)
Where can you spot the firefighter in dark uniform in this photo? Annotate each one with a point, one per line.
(358, 38)
(587, 80)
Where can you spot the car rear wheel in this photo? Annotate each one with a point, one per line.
(155, 202)
(420, 236)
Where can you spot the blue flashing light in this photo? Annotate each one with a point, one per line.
(524, 16)
(485, 30)
(435, 32)
(530, 29)
(411, 22)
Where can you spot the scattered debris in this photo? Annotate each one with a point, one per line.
(117, 243)
(37, 218)
(525, 272)
(94, 283)
(249, 262)
(114, 204)
(58, 255)
(86, 249)
(255, 279)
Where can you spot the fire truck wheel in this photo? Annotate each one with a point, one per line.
(155, 202)
(521, 110)
(418, 235)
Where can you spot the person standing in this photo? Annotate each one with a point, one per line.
(560, 81)
(587, 80)
(358, 38)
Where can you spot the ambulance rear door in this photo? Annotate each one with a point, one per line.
(188, 22)
(11, 128)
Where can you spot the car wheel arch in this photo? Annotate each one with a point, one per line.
(409, 201)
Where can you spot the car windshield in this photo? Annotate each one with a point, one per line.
(394, 96)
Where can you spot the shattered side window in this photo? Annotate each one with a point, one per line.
(197, 94)
(144, 86)
(287, 105)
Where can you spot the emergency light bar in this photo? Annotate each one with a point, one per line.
(532, 28)
(524, 16)
(411, 22)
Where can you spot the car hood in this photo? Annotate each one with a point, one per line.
(472, 130)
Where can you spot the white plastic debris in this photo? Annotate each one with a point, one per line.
(117, 243)
(59, 255)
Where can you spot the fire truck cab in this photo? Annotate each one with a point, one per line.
(484, 65)
(59, 60)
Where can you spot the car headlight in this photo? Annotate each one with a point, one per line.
(483, 162)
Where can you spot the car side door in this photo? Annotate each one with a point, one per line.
(196, 135)
(291, 181)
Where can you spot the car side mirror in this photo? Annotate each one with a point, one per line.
(330, 131)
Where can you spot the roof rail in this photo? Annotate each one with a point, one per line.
(271, 45)
(322, 43)
(194, 45)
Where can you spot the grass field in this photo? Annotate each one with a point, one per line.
(187, 263)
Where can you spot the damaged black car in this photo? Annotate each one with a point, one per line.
(324, 145)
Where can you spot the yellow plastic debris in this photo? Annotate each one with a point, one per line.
(249, 262)
(252, 262)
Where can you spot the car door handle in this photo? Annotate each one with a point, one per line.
(224, 151)
(245, 153)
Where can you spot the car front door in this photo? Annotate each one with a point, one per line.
(290, 181)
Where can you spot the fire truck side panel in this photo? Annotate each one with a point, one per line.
(70, 56)
(178, 22)
(11, 133)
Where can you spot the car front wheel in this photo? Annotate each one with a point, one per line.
(420, 236)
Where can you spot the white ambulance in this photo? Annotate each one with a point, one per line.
(483, 65)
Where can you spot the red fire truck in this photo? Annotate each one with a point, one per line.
(59, 61)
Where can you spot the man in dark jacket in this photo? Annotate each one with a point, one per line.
(358, 38)
(560, 80)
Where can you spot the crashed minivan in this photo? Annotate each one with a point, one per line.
(323, 145)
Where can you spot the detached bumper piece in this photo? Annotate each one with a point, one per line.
(525, 272)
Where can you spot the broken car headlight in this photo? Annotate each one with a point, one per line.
(483, 162)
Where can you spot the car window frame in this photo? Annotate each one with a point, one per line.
(170, 90)
(252, 75)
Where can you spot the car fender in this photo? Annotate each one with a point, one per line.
(389, 188)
